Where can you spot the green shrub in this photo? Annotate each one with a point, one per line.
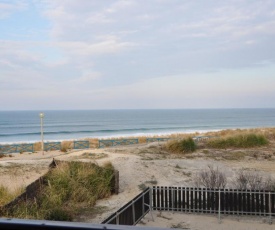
(238, 141)
(181, 146)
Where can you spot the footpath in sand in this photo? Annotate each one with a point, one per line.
(140, 166)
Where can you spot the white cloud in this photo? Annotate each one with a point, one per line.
(108, 46)
(8, 8)
(121, 49)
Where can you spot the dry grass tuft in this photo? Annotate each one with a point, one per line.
(37, 146)
(142, 140)
(93, 143)
(66, 146)
(181, 146)
(7, 195)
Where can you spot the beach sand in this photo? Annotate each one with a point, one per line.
(145, 165)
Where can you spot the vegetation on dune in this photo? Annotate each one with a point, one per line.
(210, 178)
(6, 195)
(246, 140)
(68, 188)
(181, 146)
(244, 180)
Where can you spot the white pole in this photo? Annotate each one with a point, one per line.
(42, 136)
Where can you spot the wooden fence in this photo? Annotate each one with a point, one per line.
(81, 144)
(48, 146)
(157, 139)
(223, 201)
(109, 143)
(18, 148)
(133, 211)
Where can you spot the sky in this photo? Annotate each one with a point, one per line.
(136, 54)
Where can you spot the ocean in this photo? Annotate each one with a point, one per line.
(24, 126)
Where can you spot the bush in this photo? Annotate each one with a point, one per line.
(253, 180)
(181, 146)
(210, 178)
(244, 180)
(238, 141)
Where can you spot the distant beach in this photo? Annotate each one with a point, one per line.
(24, 126)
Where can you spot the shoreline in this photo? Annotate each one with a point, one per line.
(135, 135)
(117, 136)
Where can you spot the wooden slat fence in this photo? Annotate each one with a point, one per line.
(109, 143)
(133, 211)
(81, 144)
(18, 148)
(49, 146)
(202, 138)
(25, 148)
(157, 139)
(223, 201)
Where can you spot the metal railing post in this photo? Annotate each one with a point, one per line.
(219, 206)
(134, 212)
(151, 202)
(173, 199)
(143, 205)
(117, 219)
(269, 203)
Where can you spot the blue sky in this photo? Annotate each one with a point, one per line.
(127, 54)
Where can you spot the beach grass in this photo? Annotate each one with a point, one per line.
(245, 140)
(66, 146)
(69, 187)
(186, 145)
(6, 195)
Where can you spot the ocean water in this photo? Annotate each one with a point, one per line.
(24, 126)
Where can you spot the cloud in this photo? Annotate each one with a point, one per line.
(107, 46)
(7, 8)
(109, 49)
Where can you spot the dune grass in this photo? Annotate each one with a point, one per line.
(67, 189)
(6, 195)
(181, 146)
(245, 140)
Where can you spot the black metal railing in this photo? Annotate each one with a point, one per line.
(132, 212)
(216, 201)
